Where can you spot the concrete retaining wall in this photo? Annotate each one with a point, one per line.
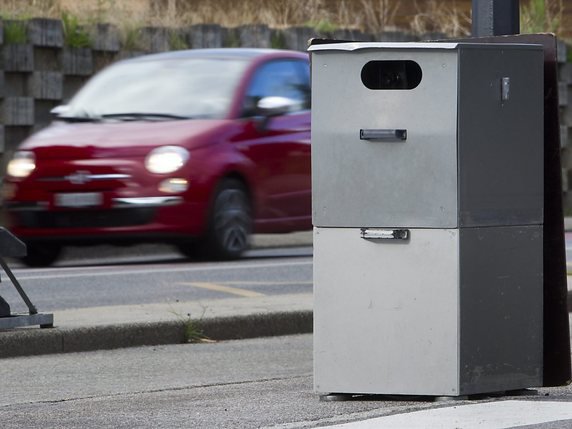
(43, 72)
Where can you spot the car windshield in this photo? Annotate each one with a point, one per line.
(168, 88)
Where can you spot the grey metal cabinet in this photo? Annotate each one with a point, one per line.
(469, 158)
(428, 209)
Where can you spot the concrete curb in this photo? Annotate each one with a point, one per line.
(28, 342)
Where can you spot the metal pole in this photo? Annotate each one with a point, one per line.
(495, 17)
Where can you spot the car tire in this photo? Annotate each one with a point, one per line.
(39, 255)
(230, 221)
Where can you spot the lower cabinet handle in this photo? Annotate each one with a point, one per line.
(385, 234)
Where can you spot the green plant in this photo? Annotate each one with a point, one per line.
(193, 333)
(540, 16)
(277, 40)
(131, 37)
(231, 39)
(75, 35)
(177, 41)
(15, 32)
(323, 26)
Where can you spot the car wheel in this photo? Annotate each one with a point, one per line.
(230, 222)
(41, 255)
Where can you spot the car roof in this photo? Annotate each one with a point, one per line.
(248, 53)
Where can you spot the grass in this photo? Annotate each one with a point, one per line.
(542, 16)
(131, 37)
(323, 26)
(176, 41)
(193, 332)
(277, 40)
(75, 34)
(15, 32)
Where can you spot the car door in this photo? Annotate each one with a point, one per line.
(279, 147)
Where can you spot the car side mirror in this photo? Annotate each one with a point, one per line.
(276, 106)
(269, 107)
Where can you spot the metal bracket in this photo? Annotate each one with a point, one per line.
(10, 246)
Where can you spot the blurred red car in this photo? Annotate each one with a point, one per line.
(197, 148)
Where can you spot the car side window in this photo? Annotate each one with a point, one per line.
(304, 71)
(279, 78)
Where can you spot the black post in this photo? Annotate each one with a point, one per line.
(495, 17)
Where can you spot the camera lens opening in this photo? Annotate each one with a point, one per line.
(388, 75)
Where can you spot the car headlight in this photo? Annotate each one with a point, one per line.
(166, 159)
(22, 164)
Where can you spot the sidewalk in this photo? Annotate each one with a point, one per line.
(254, 383)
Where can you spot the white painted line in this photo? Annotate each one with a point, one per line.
(65, 274)
(491, 415)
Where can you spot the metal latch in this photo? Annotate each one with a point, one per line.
(384, 234)
(505, 88)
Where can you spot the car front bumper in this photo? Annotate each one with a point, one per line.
(163, 218)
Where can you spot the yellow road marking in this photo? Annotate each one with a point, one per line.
(226, 289)
(267, 283)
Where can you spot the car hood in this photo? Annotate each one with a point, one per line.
(120, 139)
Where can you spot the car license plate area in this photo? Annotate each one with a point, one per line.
(78, 199)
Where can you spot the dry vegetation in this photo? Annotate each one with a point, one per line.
(367, 15)
(373, 16)
(539, 16)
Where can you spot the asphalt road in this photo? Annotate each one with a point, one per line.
(104, 276)
(161, 277)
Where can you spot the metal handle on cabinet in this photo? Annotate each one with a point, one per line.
(385, 234)
(385, 135)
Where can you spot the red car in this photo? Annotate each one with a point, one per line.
(196, 148)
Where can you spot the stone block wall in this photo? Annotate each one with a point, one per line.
(565, 103)
(44, 72)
